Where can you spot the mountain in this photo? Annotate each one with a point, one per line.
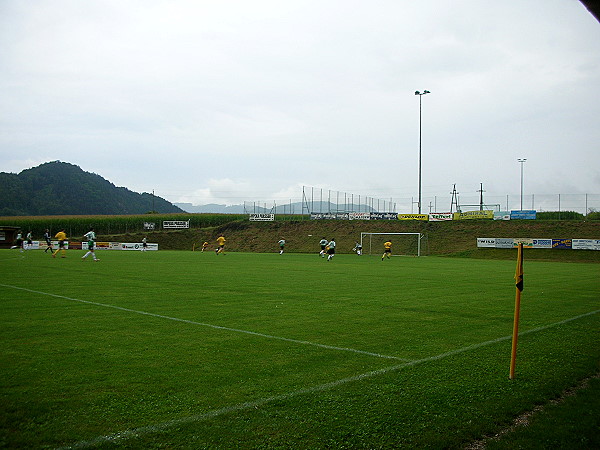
(211, 208)
(59, 188)
(264, 208)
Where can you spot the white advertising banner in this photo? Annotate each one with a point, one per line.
(176, 223)
(486, 242)
(262, 217)
(440, 217)
(359, 216)
(501, 215)
(586, 244)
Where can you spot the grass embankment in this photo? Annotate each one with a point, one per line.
(440, 238)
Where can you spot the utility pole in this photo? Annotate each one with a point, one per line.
(454, 199)
(481, 191)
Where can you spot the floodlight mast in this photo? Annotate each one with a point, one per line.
(522, 161)
(420, 94)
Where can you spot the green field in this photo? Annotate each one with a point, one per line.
(175, 349)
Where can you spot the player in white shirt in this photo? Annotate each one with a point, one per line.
(323, 243)
(91, 238)
(331, 249)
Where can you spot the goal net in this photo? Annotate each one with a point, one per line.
(403, 244)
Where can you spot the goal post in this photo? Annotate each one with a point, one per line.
(403, 244)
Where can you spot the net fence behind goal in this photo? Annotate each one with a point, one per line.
(403, 244)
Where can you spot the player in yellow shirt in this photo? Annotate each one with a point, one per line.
(387, 249)
(221, 243)
(204, 245)
(62, 237)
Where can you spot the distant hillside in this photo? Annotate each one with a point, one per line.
(59, 188)
(262, 208)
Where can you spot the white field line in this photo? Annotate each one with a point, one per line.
(143, 431)
(21, 255)
(217, 327)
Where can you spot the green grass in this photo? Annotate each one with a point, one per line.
(193, 350)
(572, 423)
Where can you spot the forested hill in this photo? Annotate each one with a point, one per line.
(59, 188)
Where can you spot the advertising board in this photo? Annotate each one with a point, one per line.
(359, 216)
(488, 214)
(542, 243)
(440, 217)
(413, 217)
(262, 217)
(486, 242)
(523, 215)
(176, 223)
(562, 243)
(586, 244)
(505, 243)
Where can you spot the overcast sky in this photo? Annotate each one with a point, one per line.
(232, 101)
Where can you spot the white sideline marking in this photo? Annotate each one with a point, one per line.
(142, 431)
(217, 327)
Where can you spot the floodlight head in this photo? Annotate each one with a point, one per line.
(417, 93)
(426, 92)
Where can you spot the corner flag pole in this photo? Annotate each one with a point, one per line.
(519, 289)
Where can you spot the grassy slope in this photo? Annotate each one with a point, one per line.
(441, 238)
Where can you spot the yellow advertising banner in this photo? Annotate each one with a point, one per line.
(474, 215)
(413, 217)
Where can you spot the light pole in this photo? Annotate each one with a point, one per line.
(420, 94)
(522, 161)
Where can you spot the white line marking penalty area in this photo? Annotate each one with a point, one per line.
(216, 327)
(143, 431)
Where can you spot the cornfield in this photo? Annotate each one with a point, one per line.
(79, 225)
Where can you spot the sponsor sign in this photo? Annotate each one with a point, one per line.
(561, 243)
(505, 242)
(501, 215)
(527, 243)
(66, 243)
(35, 245)
(542, 243)
(523, 215)
(176, 223)
(488, 214)
(383, 216)
(486, 242)
(329, 216)
(136, 246)
(359, 216)
(440, 217)
(149, 226)
(586, 244)
(413, 217)
(262, 217)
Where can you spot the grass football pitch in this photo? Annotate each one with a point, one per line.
(193, 350)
